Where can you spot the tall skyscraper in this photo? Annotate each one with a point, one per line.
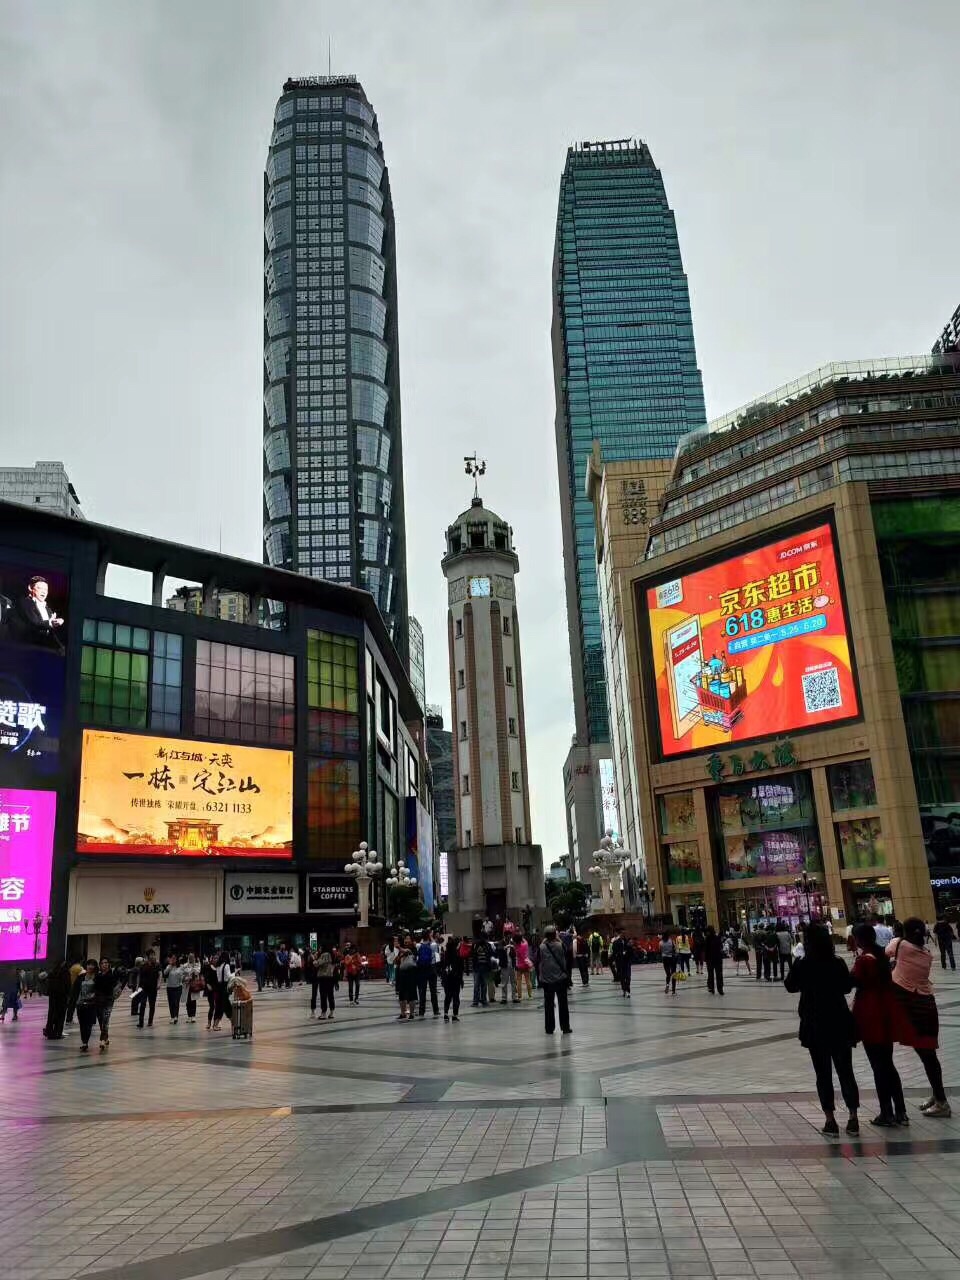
(625, 370)
(417, 663)
(333, 466)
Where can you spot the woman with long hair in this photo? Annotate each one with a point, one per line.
(912, 988)
(827, 1029)
(880, 1023)
(451, 975)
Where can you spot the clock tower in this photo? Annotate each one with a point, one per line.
(497, 869)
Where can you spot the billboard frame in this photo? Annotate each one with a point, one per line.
(707, 560)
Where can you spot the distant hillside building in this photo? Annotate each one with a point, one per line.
(45, 485)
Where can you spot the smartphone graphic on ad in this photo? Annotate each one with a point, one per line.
(684, 654)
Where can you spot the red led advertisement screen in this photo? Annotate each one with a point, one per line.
(753, 646)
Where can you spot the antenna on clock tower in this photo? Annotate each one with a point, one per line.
(476, 467)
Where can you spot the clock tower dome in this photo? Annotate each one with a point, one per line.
(497, 868)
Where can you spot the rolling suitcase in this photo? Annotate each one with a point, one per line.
(242, 1019)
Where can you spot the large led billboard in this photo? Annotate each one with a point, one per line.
(753, 646)
(33, 606)
(172, 797)
(27, 820)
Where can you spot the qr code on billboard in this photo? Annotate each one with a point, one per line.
(821, 690)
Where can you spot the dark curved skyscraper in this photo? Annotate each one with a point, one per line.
(625, 369)
(333, 464)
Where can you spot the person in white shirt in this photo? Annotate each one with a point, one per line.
(296, 965)
(884, 933)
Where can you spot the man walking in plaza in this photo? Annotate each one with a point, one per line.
(595, 943)
(785, 947)
(553, 980)
(260, 965)
(427, 975)
(481, 969)
(148, 981)
(943, 932)
(882, 931)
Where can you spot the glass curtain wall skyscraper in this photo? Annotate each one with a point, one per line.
(332, 471)
(626, 375)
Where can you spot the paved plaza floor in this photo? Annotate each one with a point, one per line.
(667, 1137)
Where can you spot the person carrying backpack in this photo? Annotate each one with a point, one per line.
(427, 975)
(596, 949)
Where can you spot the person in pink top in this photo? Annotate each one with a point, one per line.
(911, 985)
(524, 967)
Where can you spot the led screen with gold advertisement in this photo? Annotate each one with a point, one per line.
(753, 646)
(168, 796)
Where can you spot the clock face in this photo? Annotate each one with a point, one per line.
(479, 586)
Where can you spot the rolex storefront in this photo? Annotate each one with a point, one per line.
(125, 910)
(773, 777)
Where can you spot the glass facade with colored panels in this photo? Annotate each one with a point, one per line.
(332, 463)
(626, 365)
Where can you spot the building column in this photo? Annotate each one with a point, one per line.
(711, 887)
(832, 880)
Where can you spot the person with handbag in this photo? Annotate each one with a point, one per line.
(554, 979)
(880, 1022)
(208, 973)
(524, 970)
(192, 985)
(86, 1004)
(911, 985)
(326, 980)
(107, 986)
(224, 974)
(173, 981)
(827, 1028)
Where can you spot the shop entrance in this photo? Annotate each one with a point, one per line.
(869, 897)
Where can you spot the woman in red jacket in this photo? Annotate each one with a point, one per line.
(880, 1023)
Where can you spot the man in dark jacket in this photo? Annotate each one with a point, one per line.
(482, 961)
(554, 980)
(943, 932)
(148, 982)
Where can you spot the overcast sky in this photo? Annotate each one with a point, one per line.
(809, 152)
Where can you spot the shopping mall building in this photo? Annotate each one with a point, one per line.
(782, 635)
(184, 780)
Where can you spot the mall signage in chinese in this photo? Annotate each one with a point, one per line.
(738, 765)
(26, 858)
(173, 797)
(260, 894)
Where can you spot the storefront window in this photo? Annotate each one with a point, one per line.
(852, 785)
(246, 694)
(677, 816)
(861, 844)
(333, 808)
(683, 862)
(765, 828)
(332, 672)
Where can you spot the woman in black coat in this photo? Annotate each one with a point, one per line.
(827, 1027)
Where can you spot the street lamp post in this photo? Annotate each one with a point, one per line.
(647, 896)
(400, 878)
(807, 886)
(607, 861)
(365, 865)
(37, 924)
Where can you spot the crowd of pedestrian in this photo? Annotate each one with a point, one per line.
(893, 1004)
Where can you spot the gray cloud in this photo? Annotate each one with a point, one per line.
(806, 150)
